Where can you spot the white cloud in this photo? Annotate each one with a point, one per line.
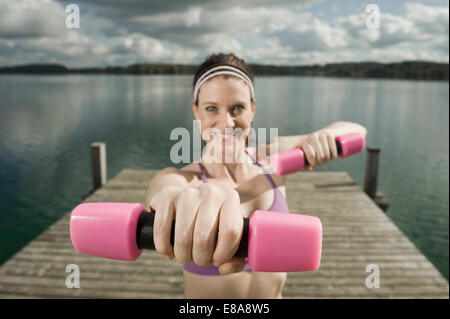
(221, 42)
(30, 18)
(429, 19)
(144, 46)
(138, 47)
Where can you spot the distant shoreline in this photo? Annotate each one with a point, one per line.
(411, 70)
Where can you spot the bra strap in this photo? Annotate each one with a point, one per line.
(202, 170)
(269, 177)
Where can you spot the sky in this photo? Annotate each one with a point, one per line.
(281, 32)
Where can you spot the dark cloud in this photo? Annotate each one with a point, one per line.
(119, 9)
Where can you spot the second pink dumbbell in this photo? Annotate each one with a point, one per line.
(273, 241)
(294, 160)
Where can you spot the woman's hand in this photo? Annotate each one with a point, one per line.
(208, 225)
(319, 148)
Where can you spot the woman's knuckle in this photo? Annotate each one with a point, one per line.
(214, 193)
(234, 194)
(183, 239)
(190, 191)
(166, 192)
(206, 188)
(231, 233)
(172, 188)
(185, 196)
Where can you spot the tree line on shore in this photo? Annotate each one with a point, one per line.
(419, 70)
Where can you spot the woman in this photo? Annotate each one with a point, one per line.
(209, 199)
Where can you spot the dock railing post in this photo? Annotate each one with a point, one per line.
(98, 160)
(371, 178)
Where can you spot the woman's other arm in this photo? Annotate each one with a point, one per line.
(319, 146)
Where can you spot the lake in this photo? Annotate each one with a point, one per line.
(47, 124)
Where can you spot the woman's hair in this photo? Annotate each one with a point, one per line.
(222, 58)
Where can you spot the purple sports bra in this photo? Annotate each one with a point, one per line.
(279, 205)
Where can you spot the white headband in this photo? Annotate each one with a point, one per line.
(233, 71)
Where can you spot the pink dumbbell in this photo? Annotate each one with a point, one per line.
(272, 241)
(294, 160)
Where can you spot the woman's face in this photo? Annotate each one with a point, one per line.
(225, 107)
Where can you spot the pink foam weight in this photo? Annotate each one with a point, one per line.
(287, 162)
(281, 242)
(106, 229)
(351, 144)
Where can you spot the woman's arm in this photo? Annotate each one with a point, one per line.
(336, 129)
(319, 146)
(342, 128)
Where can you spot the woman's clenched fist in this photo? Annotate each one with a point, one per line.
(208, 226)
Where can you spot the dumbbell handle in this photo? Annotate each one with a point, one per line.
(144, 234)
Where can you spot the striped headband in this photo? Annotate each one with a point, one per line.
(223, 69)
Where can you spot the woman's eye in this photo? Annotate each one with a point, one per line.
(210, 108)
(238, 108)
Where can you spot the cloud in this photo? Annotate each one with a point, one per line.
(313, 35)
(139, 47)
(125, 10)
(262, 31)
(30, 18)
(428, 19)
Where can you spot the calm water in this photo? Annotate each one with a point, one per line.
(48, 122)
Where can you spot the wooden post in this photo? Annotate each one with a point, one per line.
(371, 176)
(382, 202)
(98, 159)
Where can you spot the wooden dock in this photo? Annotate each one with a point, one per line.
(356, 233)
